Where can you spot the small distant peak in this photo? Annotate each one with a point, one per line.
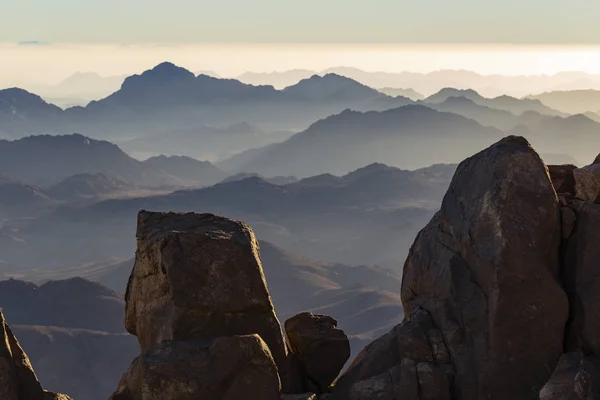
(459, 100)
(168, 69)
(374, 168)
(163, 72)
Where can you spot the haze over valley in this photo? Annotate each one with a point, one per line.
(172, 185)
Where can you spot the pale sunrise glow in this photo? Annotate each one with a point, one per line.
(47, 64)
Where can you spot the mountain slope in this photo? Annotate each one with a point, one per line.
(19, 199)
(47, 160)
(187, 168)
(571, 101)
(506, 103)
(203, 142)
(368, 217)
(86, 185)
(26, 113)
(169, 98)
(407, 137)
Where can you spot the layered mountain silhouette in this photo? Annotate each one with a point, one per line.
(78, 89)
(24, 112)
(504, 102)
(410, 93)
(408, 137)
(19, 199)
(431, 82)
(323, 217)
(169, 97)
(87, 185)
(203, 142)
(571, 101)
(47, 160)
(548, 133)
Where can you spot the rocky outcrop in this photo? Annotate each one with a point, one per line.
(198, 303)
(17, 378)
(321, 348)
(484, 275)
(200, 276)
(227, 368)
(499, 290)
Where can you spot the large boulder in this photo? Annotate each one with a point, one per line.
(226, 368)
(17, 378)
(486, 271)
(200, 276)
(321, 348)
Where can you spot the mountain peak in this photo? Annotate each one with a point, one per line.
(165, 72)
(448, 92)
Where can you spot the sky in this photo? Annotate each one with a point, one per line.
(43, 42)
(326, 21)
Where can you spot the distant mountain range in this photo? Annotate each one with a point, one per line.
(46, 160)
(504, 102)
(203, 142)
(572, 101)
(79, 89)
(170, 98)
(409, 137)
(410, 93)
(432, 82)
(19, 199)
(369, 216)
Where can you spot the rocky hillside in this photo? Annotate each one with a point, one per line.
(498, 290)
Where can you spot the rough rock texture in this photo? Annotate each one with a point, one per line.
(581, 275)
(576, 377)
(410, 359)
(226, 368)
(562, 178)
(17, 378)
(486, 272)
(200, 276)
(587, 182)
(321, 348)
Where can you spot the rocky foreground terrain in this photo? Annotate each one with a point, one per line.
(499, 292)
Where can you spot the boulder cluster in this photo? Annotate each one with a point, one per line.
(501, 292)
(17, 378)
(198, 303)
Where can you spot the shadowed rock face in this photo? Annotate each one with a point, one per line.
(227, 368)
(485, 271)
(17, 378)
(321, 348)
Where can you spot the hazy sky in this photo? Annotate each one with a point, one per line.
(400, 21)
(115, 37)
